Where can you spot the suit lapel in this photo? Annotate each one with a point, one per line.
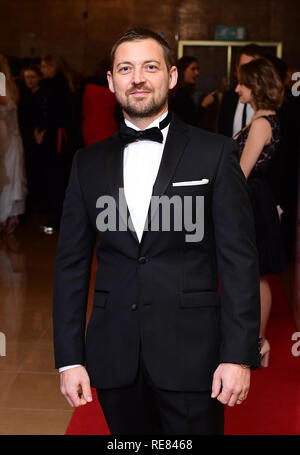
(177, 139)
(116, 180)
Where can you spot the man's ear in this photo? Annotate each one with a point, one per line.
(173, 77)
(110, 82)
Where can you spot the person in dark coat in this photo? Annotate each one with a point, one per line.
(30, 114)
(181, 100)
(233, 114)
(53, 133)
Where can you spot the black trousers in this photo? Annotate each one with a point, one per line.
(143, 408)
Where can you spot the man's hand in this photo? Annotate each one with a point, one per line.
(231, 382)
(75, 386)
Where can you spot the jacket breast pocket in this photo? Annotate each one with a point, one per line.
(205, 299)
(100, 299)
(191, 190)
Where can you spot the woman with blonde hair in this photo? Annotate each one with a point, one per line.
(260, 85)
(13, 186)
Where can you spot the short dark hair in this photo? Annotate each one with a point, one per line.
(139, 34)
(32, 67)
(252, 50)
(280, 66)
(53, 60)
(265, 83)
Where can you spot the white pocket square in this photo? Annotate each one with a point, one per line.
(191, 182)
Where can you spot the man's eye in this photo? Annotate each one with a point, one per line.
(151, 67)
(124, 69)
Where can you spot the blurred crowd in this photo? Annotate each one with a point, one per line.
(50, 111)
(223, 112)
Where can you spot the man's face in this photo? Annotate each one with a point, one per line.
(243, 60)
(32, 79)
(244, 92)
(140, 78)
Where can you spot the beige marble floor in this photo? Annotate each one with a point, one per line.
(30, 399)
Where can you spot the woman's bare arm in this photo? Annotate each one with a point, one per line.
(260, 135)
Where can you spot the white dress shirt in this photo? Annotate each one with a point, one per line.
(238, 117)
(141, 161)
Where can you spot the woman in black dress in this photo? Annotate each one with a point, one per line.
(260, 85)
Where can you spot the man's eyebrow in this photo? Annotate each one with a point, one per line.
(124, 63)
(146, 61)
(153, 61)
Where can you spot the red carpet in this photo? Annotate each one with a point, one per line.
(88, 419)
(273, 404)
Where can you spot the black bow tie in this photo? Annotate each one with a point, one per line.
(128, 135)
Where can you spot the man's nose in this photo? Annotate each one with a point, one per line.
(138, 76)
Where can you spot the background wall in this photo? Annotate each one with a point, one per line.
(82, 31)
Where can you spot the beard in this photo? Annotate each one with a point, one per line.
(142, 108)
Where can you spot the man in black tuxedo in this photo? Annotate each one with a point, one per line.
(165, 351)
(233, 114)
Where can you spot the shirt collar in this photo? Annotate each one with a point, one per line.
(156, 122)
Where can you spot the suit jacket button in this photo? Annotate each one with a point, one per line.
(134, 306)
(142, 260)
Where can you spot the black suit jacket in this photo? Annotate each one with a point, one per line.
(159, 295)
(227, 112)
